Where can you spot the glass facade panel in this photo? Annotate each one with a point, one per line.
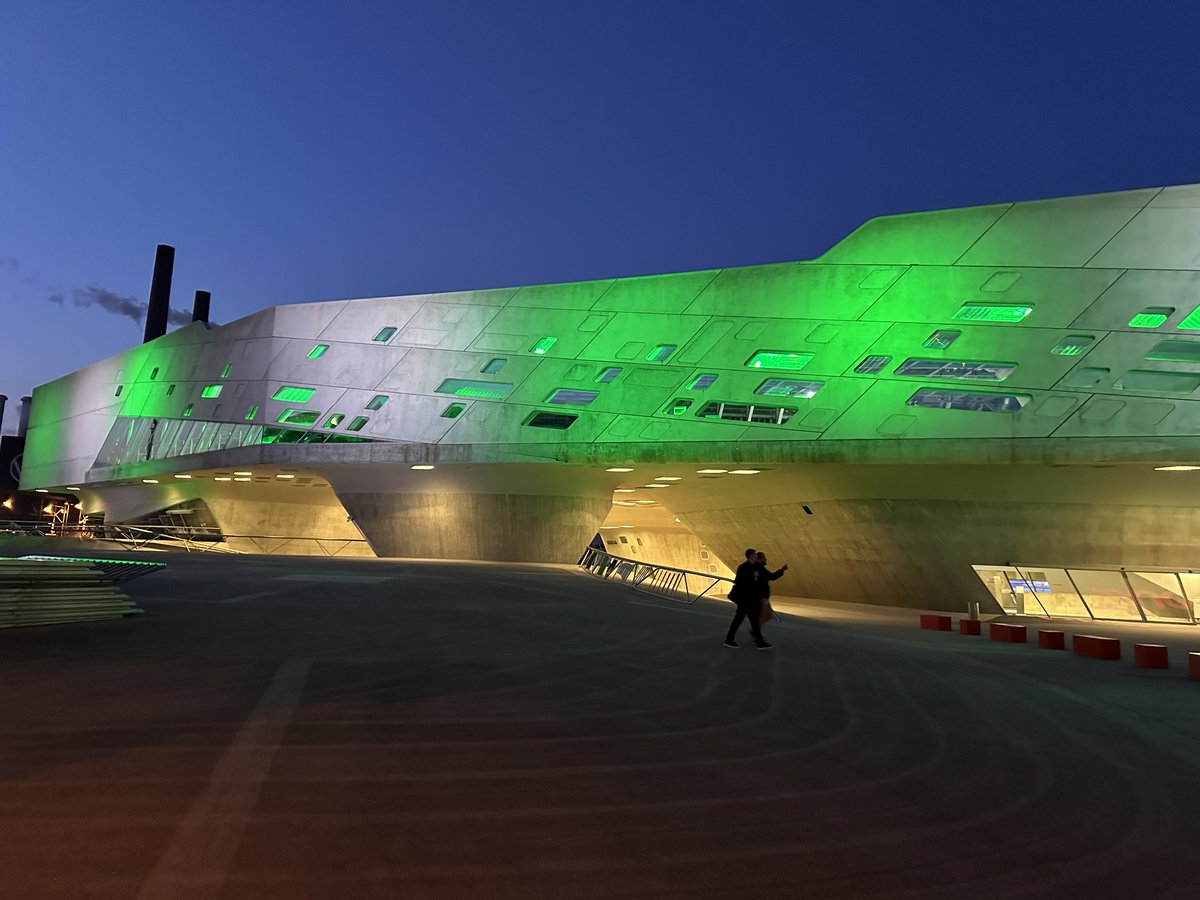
(1160, 596)
(661, 353)
(996, 580)
(1106, 594)
(377, 401)
(298, 417)
(560, 421)
(778, 359)
(949, 368)
(572, 397)
(702, 382)
(292, 394)
(607, 375)
(872, 365)
(335, 420)
(318, 351)
(1072, 345)
(357, 424)
(464, 387)
(1051, 590)
(385, 334)
(1191, 586)
(940, 340)
(493, 366)
(746, 412)
(210, 391)
(937, 398)
(993, 312)
(783, 387)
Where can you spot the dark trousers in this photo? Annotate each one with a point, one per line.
(747, 609)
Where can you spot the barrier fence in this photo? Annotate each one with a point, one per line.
(679, 585)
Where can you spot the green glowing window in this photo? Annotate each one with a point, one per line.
(453, 411)
(940, 340)
(679, 407)
(661, 353)
(170, 389)
(251, 413)
(778, 359)
(154, 373)
(607, 375)
(1151, 317)
(377, 401)
(494, 366)
(335, 420)
(1158, 382)
(211, 390)
(292, 394)
(559, 421)
(385, 334)
(970, 401)
(746, 412)
(120, 387)
(1191, 321)
(872, 365)
(1073, 345)
(572, 397)
(950, 368)
(292, 436)
(225, 371)
(783, 387)
(1175, 351)
(187, 411)
(298, 417)
(318, 351)
(357, 424)
(464, 387)
(992, 312)
(702, 382)
(543, 345)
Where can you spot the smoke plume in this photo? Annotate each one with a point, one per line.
(124, 305)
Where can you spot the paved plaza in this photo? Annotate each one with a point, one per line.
(307, 728)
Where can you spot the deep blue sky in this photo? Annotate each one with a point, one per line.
(301, 151)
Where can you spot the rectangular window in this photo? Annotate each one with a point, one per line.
(318, 351)
(453, 411)
(1151, 317)
(778, 359)
(298, 417)
(385, 334)
(940, 340)
(937, 398)
(1072, 345)
(1158, 382)
(783, 387)
(607, 375)
(154, 373)
(661, 353)
(335, 420)
(992, 312)
(187, 411)
(170, 389)
(572, 397)
(1175, 351)
(292, 394)
(872, 365)
(494, 366)
(120, 387)
(746, 412)
(1191, 322)
(377, 401)
(679, 407)
(225, 371)
(357, 424)
(464, 387)
(702, 382)
(543, 345)
(560, 421)
(251, 413)
(210, 391)
(950, 368)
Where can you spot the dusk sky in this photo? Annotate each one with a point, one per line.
(306, 151)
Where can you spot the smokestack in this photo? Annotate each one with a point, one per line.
(23, 416)
(200, 307)
(160, 293)
(3, 400)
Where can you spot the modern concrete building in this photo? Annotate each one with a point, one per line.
(940, 399)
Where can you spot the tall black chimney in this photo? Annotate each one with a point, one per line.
(200, 307)
(23, 416)
(3, 400)
(160, 293)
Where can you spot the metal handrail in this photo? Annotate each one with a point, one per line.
(667, 582)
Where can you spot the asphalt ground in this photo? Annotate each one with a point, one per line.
(306, 728)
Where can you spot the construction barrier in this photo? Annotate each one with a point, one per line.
(1052, 640)
(1150, 656)
(970, 626)
(1010, 634)
(1096, 647)
(1194, 665)
(935, 623)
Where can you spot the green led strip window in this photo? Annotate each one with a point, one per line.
(298, 417)
(465, 387)
(661, 353)
(543, 345)
(784, 387)
(318, 351)
(251, 413)
(1175, 351)
(210, 391)
(1152, 317)
(292, 394)
(385, 334)
(1191, 321)
(1072, 345)
(225, 371)
(187, 411)
(778, 359)
(992, 312)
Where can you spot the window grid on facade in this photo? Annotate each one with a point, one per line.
(785, 387)
(872, 365)
(746, 412)
(210, 391)
(1072, 345)
(940, 398)
(1152, 317)
(941, 339)
(953, 368)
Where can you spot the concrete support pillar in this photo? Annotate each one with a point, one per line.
(502, 527)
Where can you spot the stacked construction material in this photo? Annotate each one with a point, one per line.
(49, 592)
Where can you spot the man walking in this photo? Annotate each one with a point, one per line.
(745, 593)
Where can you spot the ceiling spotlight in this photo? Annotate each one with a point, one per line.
(623, 490)
(149, 481)
(222, 478)
(242, 478)
(655, 485)
(72, 489)
(745, 471)
(183, 476)
(243, 473)
(711, 471)
(40, 491)
(421, 468)
(668, 478)
(618, 469)
(282, 475)
(1176, 468)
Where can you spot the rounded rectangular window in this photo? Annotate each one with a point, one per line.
(607, 375)
(702, 382)
(993, 312)
(559, 421)
(465, 387)
(661, 353)
(872, 365)
(318, 351)
(292, 394)
(377, 401)
(494, 366)
(969, 401)
(784, 387)
(543, 345)
(778, 359)
(572, 397)
(453, 411)
(298, 417)
(357, 424)
(950, 368)
(385, 334)
(1152, 317)
(940, 340)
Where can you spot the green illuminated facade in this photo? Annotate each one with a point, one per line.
(938, 391)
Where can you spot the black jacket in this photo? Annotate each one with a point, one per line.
(763, 579)
(744, 587)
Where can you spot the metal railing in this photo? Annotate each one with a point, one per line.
(668, 582)
(191, 538)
